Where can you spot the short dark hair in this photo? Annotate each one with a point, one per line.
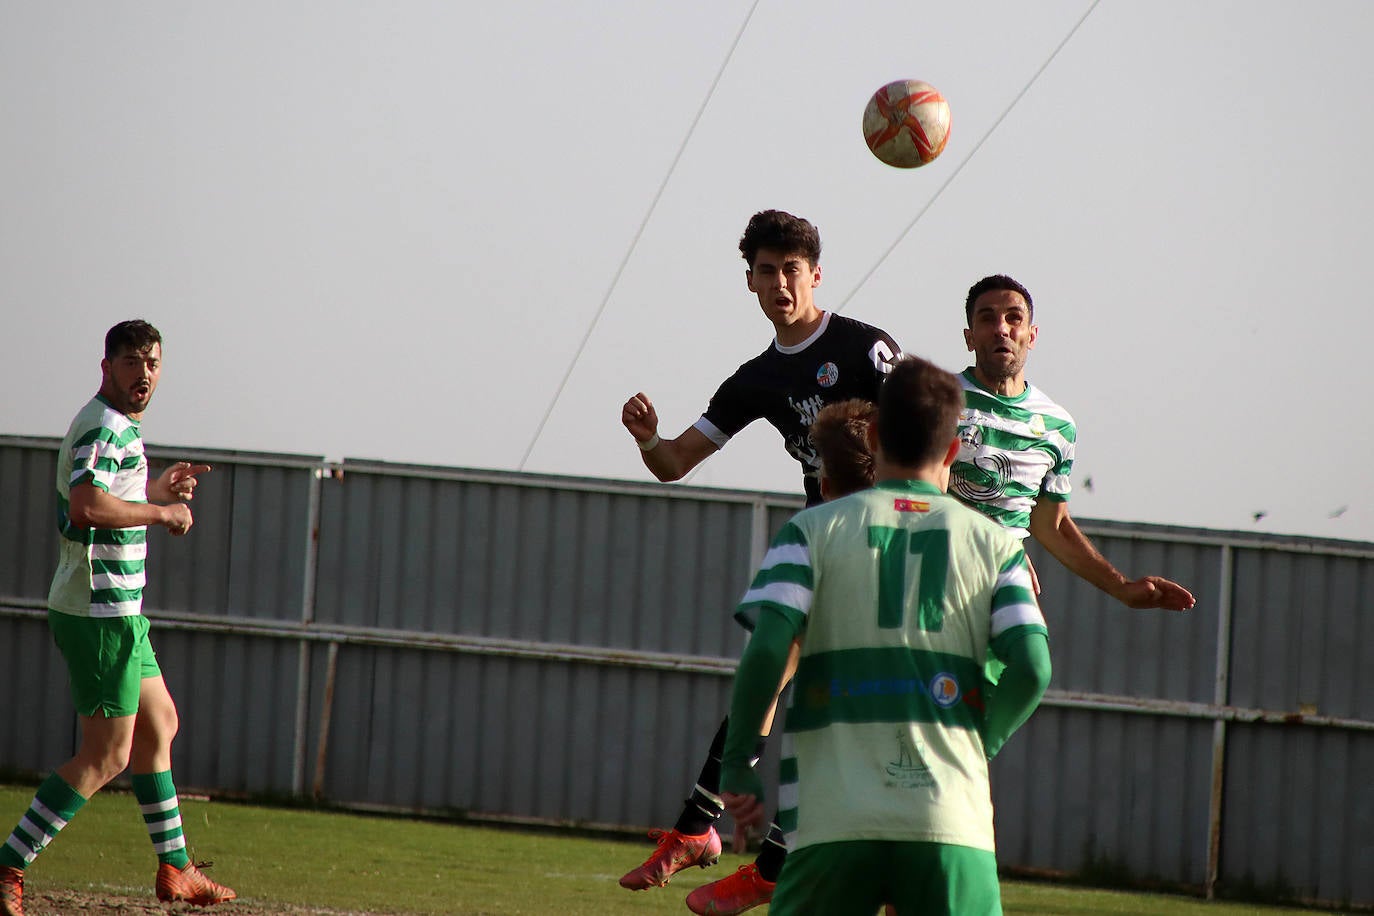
(779, 231)
(918, 412)
(137, 335)
(840, 436)
(994, 282)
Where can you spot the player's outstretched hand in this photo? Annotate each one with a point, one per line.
(1156, 592)
(639, 417)
(747, 810)
(178, 482)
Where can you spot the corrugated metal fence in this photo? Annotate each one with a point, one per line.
(559, 650)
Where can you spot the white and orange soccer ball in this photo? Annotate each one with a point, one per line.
(906, 123)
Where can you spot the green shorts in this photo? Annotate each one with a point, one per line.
(107, 660)
(856, 877)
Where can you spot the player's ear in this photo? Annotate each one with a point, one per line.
(968, 339)
(1034, 333)
(815, 276)
(952, 452)
(827, 491)
(749, 280)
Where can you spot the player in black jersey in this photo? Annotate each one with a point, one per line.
(816, 358)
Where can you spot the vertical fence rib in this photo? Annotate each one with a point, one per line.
(1225, 611)
(308, 574)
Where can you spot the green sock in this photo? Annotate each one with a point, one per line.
(53, 806)
(157, 799)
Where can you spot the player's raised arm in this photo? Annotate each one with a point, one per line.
(1052, 526)
(666, 459)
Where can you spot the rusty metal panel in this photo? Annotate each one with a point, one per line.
(1299, 812)
(248, 552)
(1105, 793)
(620, 569)
(28, 517)
(38, 726)
(235, 699)
(582, 743)
(1101, 646)
(1303, 637)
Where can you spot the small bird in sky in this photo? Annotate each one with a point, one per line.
(1260, 514)
(1337, 513)
(1088, 484)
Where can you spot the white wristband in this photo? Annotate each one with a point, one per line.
(649, 445)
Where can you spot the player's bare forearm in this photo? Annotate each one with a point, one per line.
(793, 658)
(664, 462)
(1055, 530)
(1060, 535)
(91, 507)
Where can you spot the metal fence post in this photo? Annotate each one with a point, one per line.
(1220, 698)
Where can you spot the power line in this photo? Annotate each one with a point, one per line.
(973, 152)
(634, 242)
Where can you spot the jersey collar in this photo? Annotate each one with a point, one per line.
(797, 348)
(921, 487)
(972, 378)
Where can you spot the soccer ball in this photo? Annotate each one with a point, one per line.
(906, 123)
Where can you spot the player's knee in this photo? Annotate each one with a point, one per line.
(105, 762)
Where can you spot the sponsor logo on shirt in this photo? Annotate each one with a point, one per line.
(827, 375)
(807, 409)
(981, 479)
(944, 690)
(909, 771)
(910, 505)
(1037, 425)
(970, 441)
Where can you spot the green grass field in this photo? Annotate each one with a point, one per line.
(284, 860)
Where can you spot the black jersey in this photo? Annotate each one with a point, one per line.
(787, 386)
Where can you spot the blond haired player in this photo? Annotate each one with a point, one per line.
(896, 595)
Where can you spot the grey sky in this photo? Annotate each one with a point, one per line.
(382, 229)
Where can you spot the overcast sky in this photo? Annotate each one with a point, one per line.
(384, 230)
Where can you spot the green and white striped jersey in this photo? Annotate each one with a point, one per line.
(1012, 451)
(898, 592)
(100, 571)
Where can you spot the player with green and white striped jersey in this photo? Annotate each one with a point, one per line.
(100, 570)
(1013, 451)
(127, 717)
(895, 594)
(1017, 446)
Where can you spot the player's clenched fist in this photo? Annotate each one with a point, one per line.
(176, 518)
(640, 418)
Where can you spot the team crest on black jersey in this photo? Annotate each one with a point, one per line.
(827, 375)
